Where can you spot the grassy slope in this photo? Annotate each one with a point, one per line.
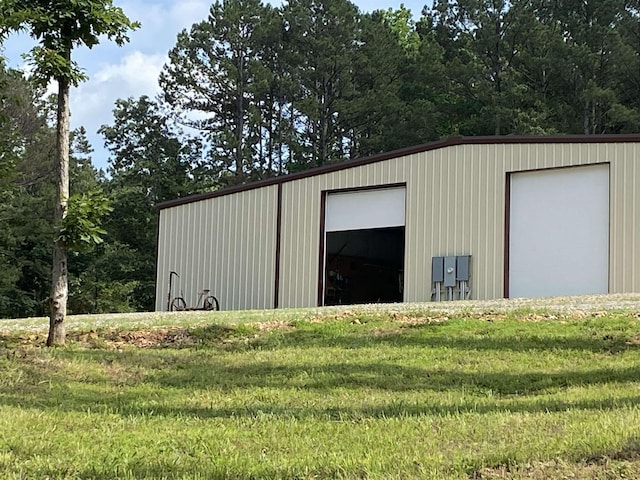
(357, 394)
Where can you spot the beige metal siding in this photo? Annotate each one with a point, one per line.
(226, 244)
(456, 206)
(624, 265)
(300, 237)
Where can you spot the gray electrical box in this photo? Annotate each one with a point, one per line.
(462, 268)
(437, 269)
(449, 271)
(453, 274)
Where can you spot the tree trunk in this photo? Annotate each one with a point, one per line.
(240, 120)
(585, 119)
(59, 282)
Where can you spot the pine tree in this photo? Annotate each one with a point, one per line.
(216, 78)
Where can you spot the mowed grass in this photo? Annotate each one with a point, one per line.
(357, 394)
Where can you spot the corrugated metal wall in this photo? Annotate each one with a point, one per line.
(455, 206)
(226, 244)
(300, 237)
(625, 219)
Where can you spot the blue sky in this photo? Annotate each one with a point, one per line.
(131, 71)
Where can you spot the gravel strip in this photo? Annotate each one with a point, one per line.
(582, 303)
(567, 306)
(628, 302)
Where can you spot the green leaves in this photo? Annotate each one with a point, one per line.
(218, 81)
(81, 228)
(49, 63)
(61, 25)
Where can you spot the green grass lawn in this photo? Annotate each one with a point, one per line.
(358, 394)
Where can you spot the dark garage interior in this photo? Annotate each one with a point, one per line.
(364, 266)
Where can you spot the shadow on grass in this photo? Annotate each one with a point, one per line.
(168, 384)
(136, 404)
(141, 377)
(215, 469)
(399, 409)
(429, 337)
(219, 467)
(206, 370)
(385, 376)
(630, 450)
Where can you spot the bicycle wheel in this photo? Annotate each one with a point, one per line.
(211, 303)
(178, 304)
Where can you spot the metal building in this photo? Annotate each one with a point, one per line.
(468, 217)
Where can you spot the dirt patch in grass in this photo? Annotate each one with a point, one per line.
(274, 325)
(409, 320)
(157, 337)
(144, 338)
(148, 338)
(400, 320)
(624, 463)
(349, 315)
(533, 316)
(608, 469)
(634, 340)
(188, 336)
(173, 337)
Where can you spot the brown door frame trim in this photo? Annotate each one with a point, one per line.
(507, 217)
(321, 253)
(507, 233)
(323, 207)
(276, 289)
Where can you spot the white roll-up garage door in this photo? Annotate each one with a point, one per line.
(559, 232)
(365, 209)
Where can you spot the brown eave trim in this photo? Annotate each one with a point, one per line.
(449, 142)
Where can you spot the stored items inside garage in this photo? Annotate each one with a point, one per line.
(364, 246)
(364, 266)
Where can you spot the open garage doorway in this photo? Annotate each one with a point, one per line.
(364, 266)
(364, 246)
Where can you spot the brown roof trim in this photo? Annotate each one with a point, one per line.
(449, 142)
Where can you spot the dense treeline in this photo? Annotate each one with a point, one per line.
(255, 91)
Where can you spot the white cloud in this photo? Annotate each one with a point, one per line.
(162, 20)
(92, 102)
(136, 73)
(185, 13)
(132, 70)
